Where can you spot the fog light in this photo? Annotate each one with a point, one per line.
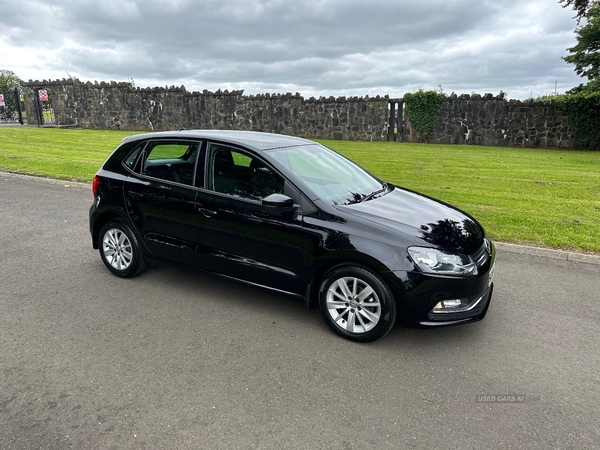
(457, 306)
(448, 304)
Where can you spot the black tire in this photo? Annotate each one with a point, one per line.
(347, 309)
(120, 250)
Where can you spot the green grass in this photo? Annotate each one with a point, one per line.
(57, 153)
(548, 198)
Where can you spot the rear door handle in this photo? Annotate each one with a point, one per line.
(136, 195)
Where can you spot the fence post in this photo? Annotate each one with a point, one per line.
(392, 122)
(19, 110)
(39, 115)
(400, 120)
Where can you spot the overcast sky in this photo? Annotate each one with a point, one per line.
(315, 47)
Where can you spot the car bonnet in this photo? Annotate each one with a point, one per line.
(430, 221)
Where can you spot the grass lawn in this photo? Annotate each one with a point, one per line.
(547, 198)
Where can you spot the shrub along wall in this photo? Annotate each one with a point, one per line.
(583, 110)
(121, 106)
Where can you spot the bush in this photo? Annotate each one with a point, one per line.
(583, 111)
(423, 108)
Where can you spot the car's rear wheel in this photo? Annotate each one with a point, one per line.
(356, 303)
(120, 250)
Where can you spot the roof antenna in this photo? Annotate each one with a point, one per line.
(181, 127)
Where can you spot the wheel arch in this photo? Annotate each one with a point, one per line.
(103, 219)
(345, 320)
(353, 259)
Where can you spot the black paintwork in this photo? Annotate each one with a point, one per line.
(289, 241)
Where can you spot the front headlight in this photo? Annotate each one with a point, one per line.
(488, 245)
(431, 260)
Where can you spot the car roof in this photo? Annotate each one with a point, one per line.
(255, 140)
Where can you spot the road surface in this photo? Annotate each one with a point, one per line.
(179, 359)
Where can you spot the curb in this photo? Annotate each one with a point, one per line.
(502, 246)
(65, 183)
(548, 253)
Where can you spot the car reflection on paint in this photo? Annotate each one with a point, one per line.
(293, 215)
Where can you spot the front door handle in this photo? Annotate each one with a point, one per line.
(207, 212)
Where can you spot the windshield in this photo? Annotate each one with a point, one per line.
(331, 176)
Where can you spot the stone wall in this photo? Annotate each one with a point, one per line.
(489, 120)
(121, 106)
(465, 119)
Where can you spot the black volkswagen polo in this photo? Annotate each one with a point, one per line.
(293, 215)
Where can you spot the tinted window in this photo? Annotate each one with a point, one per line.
(239, 174)
(132, 158)
(171, 161)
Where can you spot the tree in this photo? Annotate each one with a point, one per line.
(9, 79)
(581, 7)
(586, 54)
(8, 82)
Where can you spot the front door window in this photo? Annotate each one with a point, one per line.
(235, 173)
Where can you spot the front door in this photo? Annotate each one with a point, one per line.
(240, 237)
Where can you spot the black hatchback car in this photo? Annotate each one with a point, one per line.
(292, 215)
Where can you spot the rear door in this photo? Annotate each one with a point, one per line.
(160, 200)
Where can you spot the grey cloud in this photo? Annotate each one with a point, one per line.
(327, 47)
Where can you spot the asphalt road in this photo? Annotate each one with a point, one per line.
(178, 359)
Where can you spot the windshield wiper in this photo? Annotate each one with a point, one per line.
(374, 193)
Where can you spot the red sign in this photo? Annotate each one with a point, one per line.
(2, 100)
(43, 95)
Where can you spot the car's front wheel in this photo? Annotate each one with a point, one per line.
(120, 250)
(356, 303)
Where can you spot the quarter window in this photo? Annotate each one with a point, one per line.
(133, 156)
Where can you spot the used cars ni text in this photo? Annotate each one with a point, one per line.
(292, 215)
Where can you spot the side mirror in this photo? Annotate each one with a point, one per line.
(277, 201)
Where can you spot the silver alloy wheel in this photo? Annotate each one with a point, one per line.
(353, 304)
(117, 249)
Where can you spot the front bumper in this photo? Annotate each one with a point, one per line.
(418, 294)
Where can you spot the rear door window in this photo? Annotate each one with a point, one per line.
(171, 161)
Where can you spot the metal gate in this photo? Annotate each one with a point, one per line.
(396, 121)
(43, 107)
(11, 105)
